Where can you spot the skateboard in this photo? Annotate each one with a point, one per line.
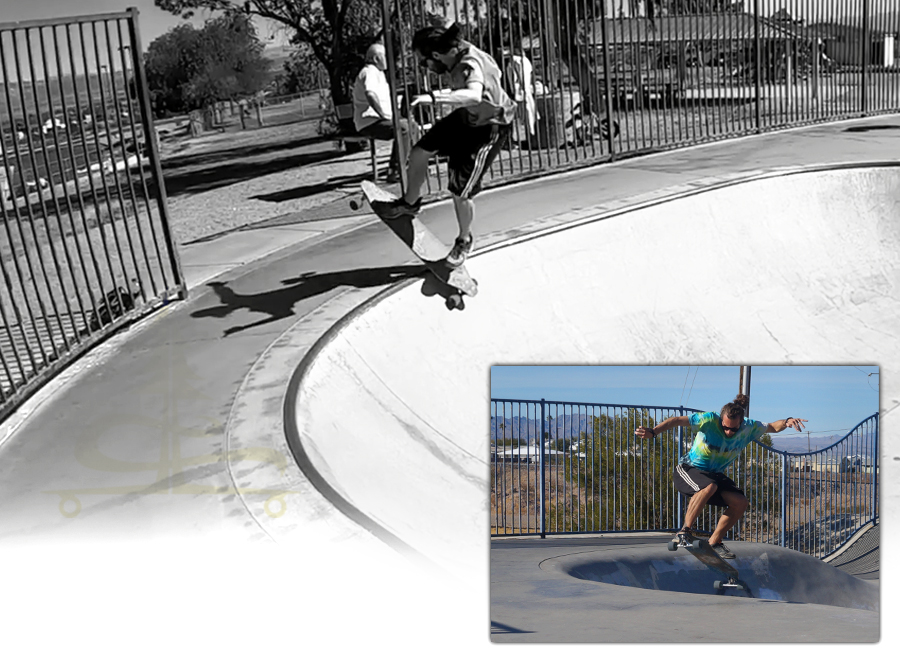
(424, 244)
(704, 553)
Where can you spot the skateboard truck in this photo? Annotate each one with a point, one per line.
(704, 553)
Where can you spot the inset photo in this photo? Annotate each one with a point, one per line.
(631, 504)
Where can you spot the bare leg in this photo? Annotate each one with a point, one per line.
(418, 170)
(697, 503)
(737, 504)
(465, 212)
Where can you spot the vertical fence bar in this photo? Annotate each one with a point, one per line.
(63, 273)
(875, 439)
(153, 153)
(543, 465)
(783, 529)
(864, 57)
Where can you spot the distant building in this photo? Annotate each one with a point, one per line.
(844, 44)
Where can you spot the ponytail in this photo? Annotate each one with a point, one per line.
(736, 408)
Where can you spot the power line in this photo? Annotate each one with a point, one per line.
(692, 386)
(680, 400)
(798, 434)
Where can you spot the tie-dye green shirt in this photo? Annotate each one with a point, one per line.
(712, 450)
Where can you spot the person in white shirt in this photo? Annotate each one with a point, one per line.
(520, 75)
(372, 113)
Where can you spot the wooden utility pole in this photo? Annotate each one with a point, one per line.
(744, 385)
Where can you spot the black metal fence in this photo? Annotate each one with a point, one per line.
(562, 468)
(85, 241)
(600, 79)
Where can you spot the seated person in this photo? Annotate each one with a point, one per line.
(372, 114)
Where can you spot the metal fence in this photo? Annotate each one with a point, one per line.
(85, 240)
(599, 79)
(562, 468)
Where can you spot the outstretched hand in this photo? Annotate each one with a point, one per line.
(644, 432)
(796, 423)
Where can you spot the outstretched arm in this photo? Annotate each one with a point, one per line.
(789, 422)
(468, 96)
(647, 432)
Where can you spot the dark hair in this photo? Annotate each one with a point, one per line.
(436, 39)
(737, 408)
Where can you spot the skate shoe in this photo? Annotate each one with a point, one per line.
(460, 250)
(723, 552)
(400, 207)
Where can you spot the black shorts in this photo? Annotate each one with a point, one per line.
(470, 150)
(689, 480)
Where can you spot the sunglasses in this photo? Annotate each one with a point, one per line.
(728, 429)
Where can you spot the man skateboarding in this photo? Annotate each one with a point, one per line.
(700, 474)
(470, 136)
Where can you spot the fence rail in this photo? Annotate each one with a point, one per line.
(85, 244)
(560, 467)
(595, 80)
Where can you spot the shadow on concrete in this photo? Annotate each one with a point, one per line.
(279, 304)
(175, 161)
(872, 127)
(321, 187)
(194, 180)
(500, 628)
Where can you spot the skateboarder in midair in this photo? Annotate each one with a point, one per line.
(470, 136)
(700, 474)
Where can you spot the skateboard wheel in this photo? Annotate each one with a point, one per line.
(354, 205)
(673, 545)
(717, 584)
(696, 544)
(455, 301)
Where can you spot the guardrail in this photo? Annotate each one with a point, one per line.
(563, 468)
(599, 80)
(85, 240)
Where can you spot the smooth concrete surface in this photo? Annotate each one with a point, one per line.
(144, 475)
(535, 599)
(785, 268)
(769, 573)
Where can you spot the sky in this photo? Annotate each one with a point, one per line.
(153, 21)
(833, 399)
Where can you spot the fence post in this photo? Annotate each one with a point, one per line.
(387, 31)
(543, 481)
(607, 84)
(150, 138)
(864, 56)
(757, 45)
(679, 440)
(783, 498)
(875, 470)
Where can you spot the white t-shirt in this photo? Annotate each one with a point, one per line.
(370, 79)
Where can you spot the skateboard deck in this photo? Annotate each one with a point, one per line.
(703, 552)
(422, 242)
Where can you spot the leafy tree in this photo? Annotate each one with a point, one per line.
(302, 72)
(618, 483)
(189, 69)
(337, 32)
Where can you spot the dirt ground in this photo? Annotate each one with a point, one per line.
(222, 181)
